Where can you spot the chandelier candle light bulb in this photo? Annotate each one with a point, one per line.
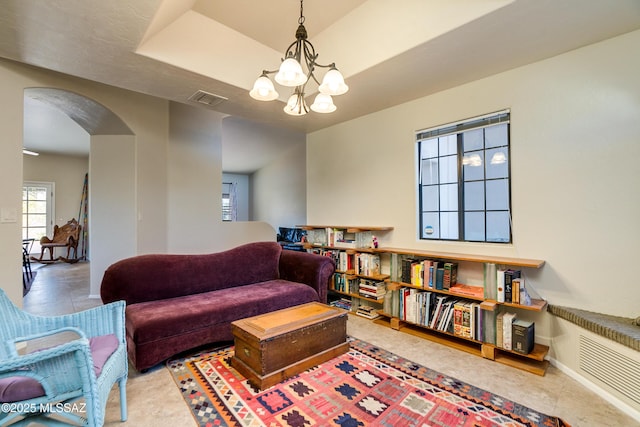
(301, 54)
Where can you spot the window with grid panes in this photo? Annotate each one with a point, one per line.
(464, 183)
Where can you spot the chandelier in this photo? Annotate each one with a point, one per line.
(291, 74)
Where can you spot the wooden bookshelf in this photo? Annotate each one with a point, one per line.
(351, 249)
(536, 304)
(533, 362)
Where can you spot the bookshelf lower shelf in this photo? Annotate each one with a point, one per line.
(357, 296)
(533, 362)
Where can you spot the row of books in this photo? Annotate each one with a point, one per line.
(334, 254)
(372, 289)
(436, 311)
(345, 283)
(460, 317)
(426, 273)
(366, 264)
(337, 237)
(505, 285)
(358, 286)
(344, 303)
(514, 334)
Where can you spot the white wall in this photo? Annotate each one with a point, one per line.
(575, 127)
(112, 203)
(574, 151)
(11, 121)
(275, 159)
(195, 187)
(278, 191)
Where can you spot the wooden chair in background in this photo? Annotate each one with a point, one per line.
(66, 236)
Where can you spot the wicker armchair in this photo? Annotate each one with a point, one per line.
(61, 369)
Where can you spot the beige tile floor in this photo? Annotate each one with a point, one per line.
(153, 398)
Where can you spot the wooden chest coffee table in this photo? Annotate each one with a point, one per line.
(272, 347)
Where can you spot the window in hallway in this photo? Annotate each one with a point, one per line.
(37, 211)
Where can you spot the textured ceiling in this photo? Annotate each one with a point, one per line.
(389, 52)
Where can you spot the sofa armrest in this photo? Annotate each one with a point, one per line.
(310, 269)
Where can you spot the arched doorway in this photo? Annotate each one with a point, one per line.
(111, 165)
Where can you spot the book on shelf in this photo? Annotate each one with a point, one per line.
(515, 290)
(437, 310)
(500, 284)
(522, 336)
(372, 289)
(406, 272)
(333, 235)
(367, 312)
(417, 274)
(467, 290)
(458, 308)
(439, 278)
(507, 321)
(450, 275)
(345, 244)
(345, 261)
(509, 275)
(499, 329)
(424, 306)
(367, 264)
(339, 282)
(466, 320)
(432, 268)
(446, 322)
(343, 303)
(478, 321)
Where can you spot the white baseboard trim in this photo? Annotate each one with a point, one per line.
(624, 407)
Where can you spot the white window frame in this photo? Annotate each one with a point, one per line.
(50, 209)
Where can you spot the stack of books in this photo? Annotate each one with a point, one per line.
(344, 303)
(371, 289)
(367, 311)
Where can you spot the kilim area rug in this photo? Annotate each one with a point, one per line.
(367, 386)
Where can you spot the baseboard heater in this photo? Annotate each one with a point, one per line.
(616, 370)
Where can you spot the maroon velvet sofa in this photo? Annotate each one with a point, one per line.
(179, 302)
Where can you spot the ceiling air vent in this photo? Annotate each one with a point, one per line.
(209, 99)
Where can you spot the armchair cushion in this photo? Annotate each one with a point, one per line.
(17, 388)
(102, 347)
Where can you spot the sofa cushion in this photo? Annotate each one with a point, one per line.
(161, 276)
(155, 320)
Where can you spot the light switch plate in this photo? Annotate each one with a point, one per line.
(8, 215)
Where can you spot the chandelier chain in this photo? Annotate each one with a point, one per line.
(298, 55)
(301, 19)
